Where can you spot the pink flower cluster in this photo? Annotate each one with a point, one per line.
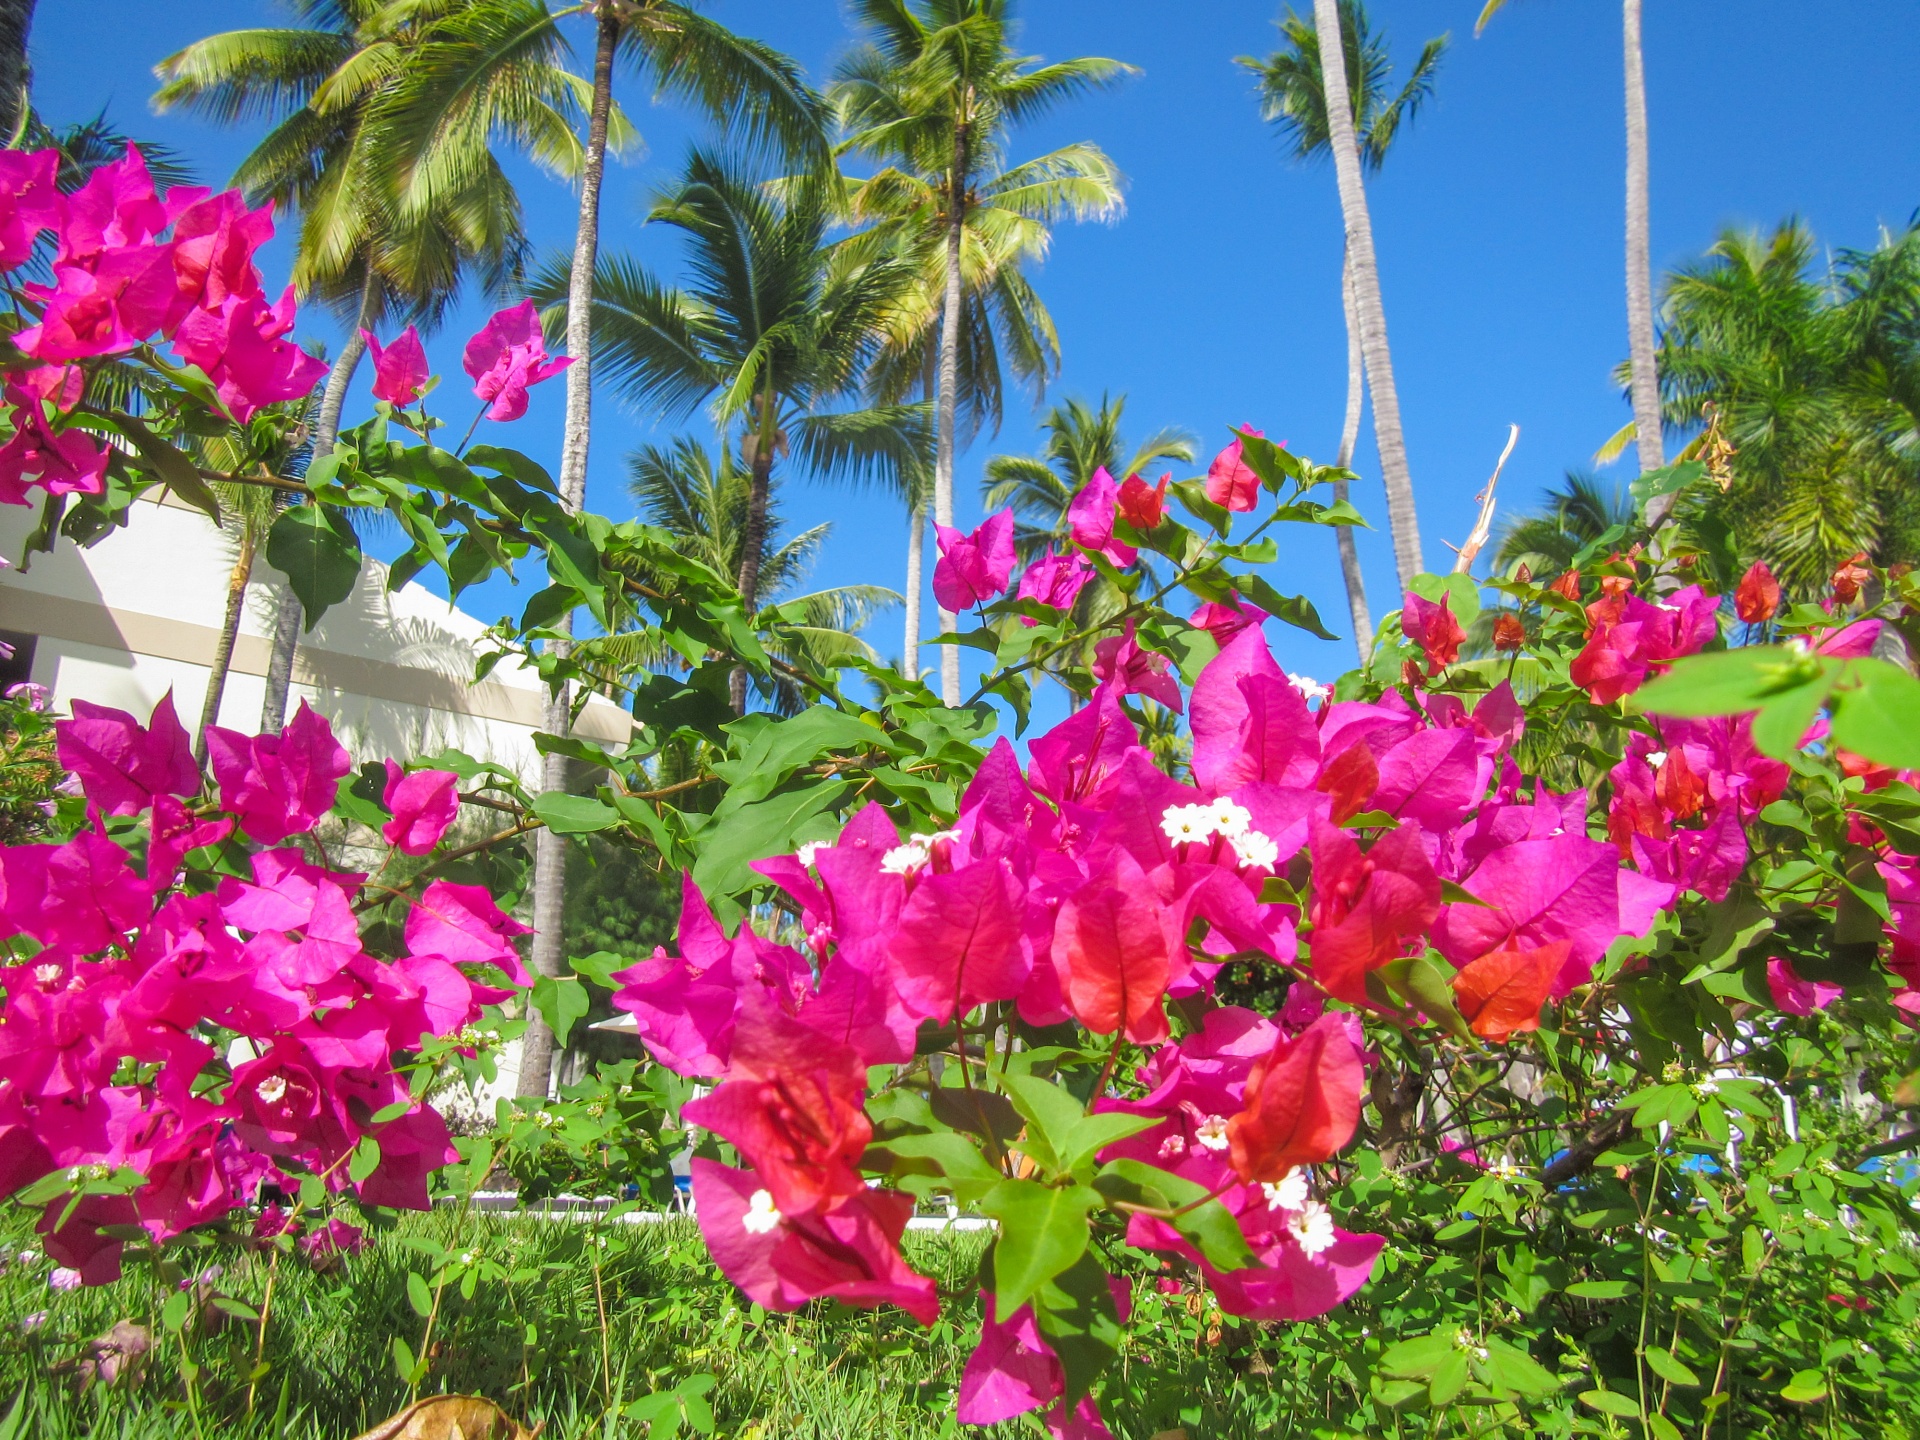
(214, 1031)
(117, 284)
(1094, 888)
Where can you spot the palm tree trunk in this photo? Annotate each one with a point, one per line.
(223, 648)
(1349, 437)
(16, 19)
(1387, 435)
(916, 541)
(1640, 340)
(326, 426)
(549, 850)
(946, 407)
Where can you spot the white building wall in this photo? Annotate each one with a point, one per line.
(140, 612)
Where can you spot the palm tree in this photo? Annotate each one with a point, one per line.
(703, 502)
(934, 92)
(774, 325)
(1005, 328)
(1814, 377)
(1644, 375)
(16, 19)
(1568, 519)
(1080, 440)
(1293, 96)
(1342, 142)
(384, 121)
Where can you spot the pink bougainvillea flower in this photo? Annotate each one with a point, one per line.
(1249, 723)
(1628, 639)
(399, 369)
(1231, 482)
(116, 208)
(1367, 905)
(1080, 758)
(424, 803)
(975, 568)
(1223, 620)
(38, 458)
(239, 348)
(1758, 594)
(336, 1237)
(106, 309)
(1120, 662)
(958, 942)
(1090, 519)
(507, 357)
(1434, 629)
(29, 202)
(791, 1104)
(1795, 996)
(1501, 993)
(1303, 1102)
(849, 1251)
(1013, 1370)
(214, 242)
(1111, 954)
(122, 764)
(1141, 505)
(1055, 581)
(462, 925)
(278, 785)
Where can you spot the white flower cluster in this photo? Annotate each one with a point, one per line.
(807, 851)
(1310, 689)
(761, 1217)
(1289, 1192)
(1312, 1228)
(1196, 824)
(914, 855)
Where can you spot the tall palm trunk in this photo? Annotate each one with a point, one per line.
(326, 426)
(237, 580)
(16, 19)
(753, 534)
(916, 541)
(1366, 285)
(1640, 341)
(549, 850)
(1349, 437)
(946, 407)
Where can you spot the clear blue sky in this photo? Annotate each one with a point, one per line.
(1214, 301)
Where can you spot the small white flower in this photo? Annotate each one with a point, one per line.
(1312, 1228)
(1172, 1146)
(1229, 820)
(1656, 758)
(1705, 1088)
(807, 851)
(1289, 1192)
(1310, 689)
(64, 1279)
(1187, 824)
(904, 859)
(1256, 851)
(761, 1217)
(47, 976)
(546, 1119)
(1504, 1169)
(467, 1257)
(1212, 1132)
(271, 1089)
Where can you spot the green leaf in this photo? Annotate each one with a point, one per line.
(1272, 464)
(1664, 1364)
(1610, 1402)
(419, 1295)
(1733, 682)
(1193, 495)
(1514, 1369)
(1296, 610)
(1600, 1289)
(1052, 1117)
(1876, 713)
(174, 1313)
(172, 466)
(319, 556)
(403, 1360)
(1449, 1380)
(943, 1156)
(1209, 1224)
(1418, 1358)
(1806, 1387)
(1461, 589)
(574, 814)
(1455, 894)
(1043, 1230)
(366, 1159)
(753, 832)
(1075, 1312)
(561, 1000)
